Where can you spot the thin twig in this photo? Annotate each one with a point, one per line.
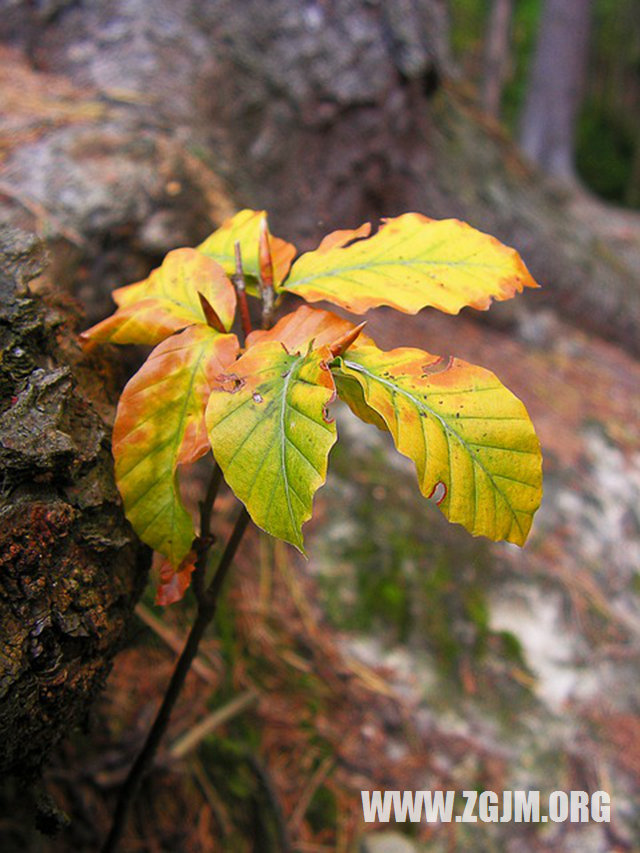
(213, 591)
(145, 757)
(206, 540)
(206, 611)
(241, 289)
(210, 795)
(308, 793)
(206, 507)
(197, 733)
(174, 642)
(295, 590)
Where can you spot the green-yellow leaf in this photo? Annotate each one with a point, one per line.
(473, 445)
(159, 426)
(244, 228)
(271, 435)
(411, 263)
(168, 300)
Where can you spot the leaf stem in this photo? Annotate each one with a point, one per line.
(241, 289)
(207, 605)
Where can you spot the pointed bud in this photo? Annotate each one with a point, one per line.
(210, 315)
(266, 261)
(343, 343)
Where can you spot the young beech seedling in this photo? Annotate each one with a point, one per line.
(262, 407)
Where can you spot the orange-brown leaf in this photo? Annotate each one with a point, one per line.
(173, 583)
(304, 325)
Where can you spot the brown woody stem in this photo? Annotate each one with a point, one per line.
(207, 605)
(206, 540)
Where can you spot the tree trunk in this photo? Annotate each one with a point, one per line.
(555, 86)
(71, 568)
(496, 55)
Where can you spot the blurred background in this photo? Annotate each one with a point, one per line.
(404, 654)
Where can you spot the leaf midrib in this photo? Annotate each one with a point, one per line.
(283, 436)
(419, 404)
(371, 266)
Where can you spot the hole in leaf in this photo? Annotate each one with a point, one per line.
(231, 383)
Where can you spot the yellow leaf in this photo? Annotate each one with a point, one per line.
(244, 228)
(131, 293)
(473, 445)
(271, 435)
(168, 300)
(159, 426)
(412, 262)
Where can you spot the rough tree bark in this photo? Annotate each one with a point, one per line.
(71, 568)
(556, 85)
